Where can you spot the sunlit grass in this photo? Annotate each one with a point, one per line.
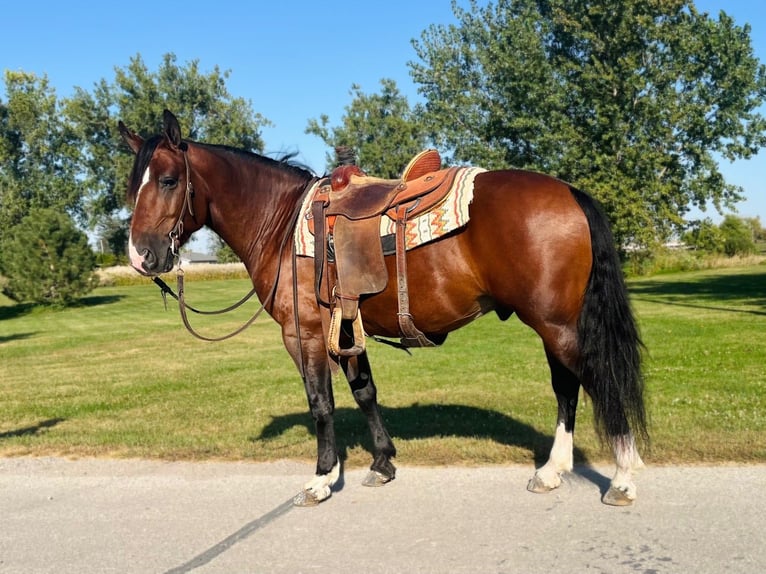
(119, 376)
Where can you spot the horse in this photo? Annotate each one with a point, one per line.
(534, 246)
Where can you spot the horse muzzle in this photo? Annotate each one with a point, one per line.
(150, 259)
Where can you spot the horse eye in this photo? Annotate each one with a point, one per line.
(168, 182)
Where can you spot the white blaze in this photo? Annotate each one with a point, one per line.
(136, 259)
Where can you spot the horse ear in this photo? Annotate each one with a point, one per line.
(172, 129)
(133, 140)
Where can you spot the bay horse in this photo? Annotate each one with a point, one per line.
(534, 246)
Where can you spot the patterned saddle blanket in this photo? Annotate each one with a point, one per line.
(449, 214)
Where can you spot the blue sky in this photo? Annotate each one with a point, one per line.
(293, 60)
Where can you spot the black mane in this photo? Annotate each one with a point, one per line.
(143, 158)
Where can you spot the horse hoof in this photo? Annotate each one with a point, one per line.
(375, 478)
(617, 497)
(306, 498)
(537, 485)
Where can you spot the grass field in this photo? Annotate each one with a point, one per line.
(119, 376)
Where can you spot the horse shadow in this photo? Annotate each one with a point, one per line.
(423, 421)
(31, 430)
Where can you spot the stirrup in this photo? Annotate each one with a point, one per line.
(333, 336)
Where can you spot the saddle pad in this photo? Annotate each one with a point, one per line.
(449, 215)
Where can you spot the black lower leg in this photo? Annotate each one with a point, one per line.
(327, 455)
(359, 376)
(322, 405)
(566, 386)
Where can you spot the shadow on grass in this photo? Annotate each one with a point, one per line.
(21, 309)
(96, 300)
(31, 430)
(17, 310)
(427, 421)
(16, 337)
(747, 288)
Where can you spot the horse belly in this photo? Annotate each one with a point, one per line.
(444, 292)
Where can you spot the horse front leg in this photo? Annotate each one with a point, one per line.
(317, 380)
(359, 375)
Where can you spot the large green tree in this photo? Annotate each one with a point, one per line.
(632, 100)
(381, 128)
(138, 96)
(37, 153)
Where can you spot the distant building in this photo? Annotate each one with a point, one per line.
(192, 257)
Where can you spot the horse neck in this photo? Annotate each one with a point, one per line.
(252, 206)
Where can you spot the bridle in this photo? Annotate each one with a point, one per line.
(178, 228)
(175, 237)
(175, 240)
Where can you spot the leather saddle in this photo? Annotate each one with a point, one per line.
(350, 211)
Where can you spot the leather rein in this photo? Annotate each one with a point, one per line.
(175, 235)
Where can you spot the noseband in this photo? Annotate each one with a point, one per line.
(178, 228)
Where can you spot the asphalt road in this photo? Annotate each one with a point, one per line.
(106, 516)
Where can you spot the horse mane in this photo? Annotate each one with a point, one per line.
(284, 162)
(144, 157)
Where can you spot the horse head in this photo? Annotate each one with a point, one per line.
(166, 211)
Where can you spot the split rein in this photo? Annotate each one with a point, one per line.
(183, 306)
(175, 235)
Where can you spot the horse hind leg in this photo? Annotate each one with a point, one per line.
(622, 489)
(359, 375)
(566, 386)
(609, 364)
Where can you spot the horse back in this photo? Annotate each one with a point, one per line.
(526, 249)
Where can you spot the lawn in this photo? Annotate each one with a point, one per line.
(119, 376)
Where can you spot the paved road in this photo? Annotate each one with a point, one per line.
(106, 516)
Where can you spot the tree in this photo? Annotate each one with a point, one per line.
(224, 253)
(758, 231)
(46, 259)
(630, 100)
(111, 238)
(381, 128)
(201, 101)
(705, 236)
(737, 235)
(37, 155)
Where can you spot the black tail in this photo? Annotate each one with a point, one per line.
(610, 345)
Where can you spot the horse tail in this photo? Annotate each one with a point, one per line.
(610, 346)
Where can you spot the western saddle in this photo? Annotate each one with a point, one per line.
(346, 215)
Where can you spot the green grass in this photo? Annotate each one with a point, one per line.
(706, 334)
(119, 376)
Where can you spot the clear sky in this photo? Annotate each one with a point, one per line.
(293, 60)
